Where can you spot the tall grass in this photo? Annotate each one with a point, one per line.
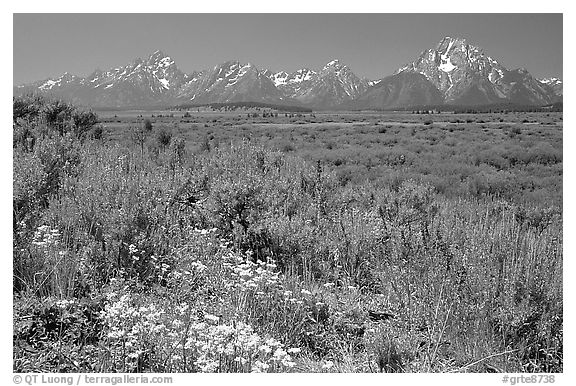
(241, 258)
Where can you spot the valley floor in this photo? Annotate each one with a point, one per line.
(325, 242)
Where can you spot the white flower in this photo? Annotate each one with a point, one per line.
(306, 292)
(260, 367)
(212, 318)
(294, 350)
(132, 249)
(288, 363)
(328, 365)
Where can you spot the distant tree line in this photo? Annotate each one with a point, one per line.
(236, 105)
(489, 108)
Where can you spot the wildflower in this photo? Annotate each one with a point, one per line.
(132, 249)
(64, 303)
(328, 365)
(294, 350)
(208, 367)
(260, 367)
(243, 361)
(212, 318)
(198, 266)
(329, 285)
(306, 292)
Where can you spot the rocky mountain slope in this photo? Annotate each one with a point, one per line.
(452, 72)
(466, 75)
(329, 87)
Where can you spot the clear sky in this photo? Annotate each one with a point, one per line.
(372, 45)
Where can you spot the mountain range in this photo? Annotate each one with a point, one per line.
(453, 72)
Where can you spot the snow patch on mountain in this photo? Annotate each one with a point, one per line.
(48, 85)
(165, 83)
(550, 81)
(446, 65)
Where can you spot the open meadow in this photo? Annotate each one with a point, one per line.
(513, 155)
(206, 240)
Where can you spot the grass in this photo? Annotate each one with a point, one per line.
(229, 255)
(502, 156)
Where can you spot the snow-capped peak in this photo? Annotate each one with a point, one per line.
(449, 41)
(57, 82)
(159, 59)
(156, 55)
(550, 81)
(279, 78)
(302, 75)
(333, 64)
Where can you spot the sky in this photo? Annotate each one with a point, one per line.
(372, 45)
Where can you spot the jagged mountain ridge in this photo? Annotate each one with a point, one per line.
(329, 87)
(231, 82)
(554, 83)
(453, 72)
(467, 76)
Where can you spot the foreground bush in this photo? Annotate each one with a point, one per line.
(242, 259)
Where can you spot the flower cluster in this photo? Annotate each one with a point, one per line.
(130, 328)
(236, 348)
(205, 232)
(245, 275)
(188, 339)
(45, 237)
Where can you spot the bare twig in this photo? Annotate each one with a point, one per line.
(483, 359)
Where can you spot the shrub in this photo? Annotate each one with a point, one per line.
(163, 137)
(242, 259)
